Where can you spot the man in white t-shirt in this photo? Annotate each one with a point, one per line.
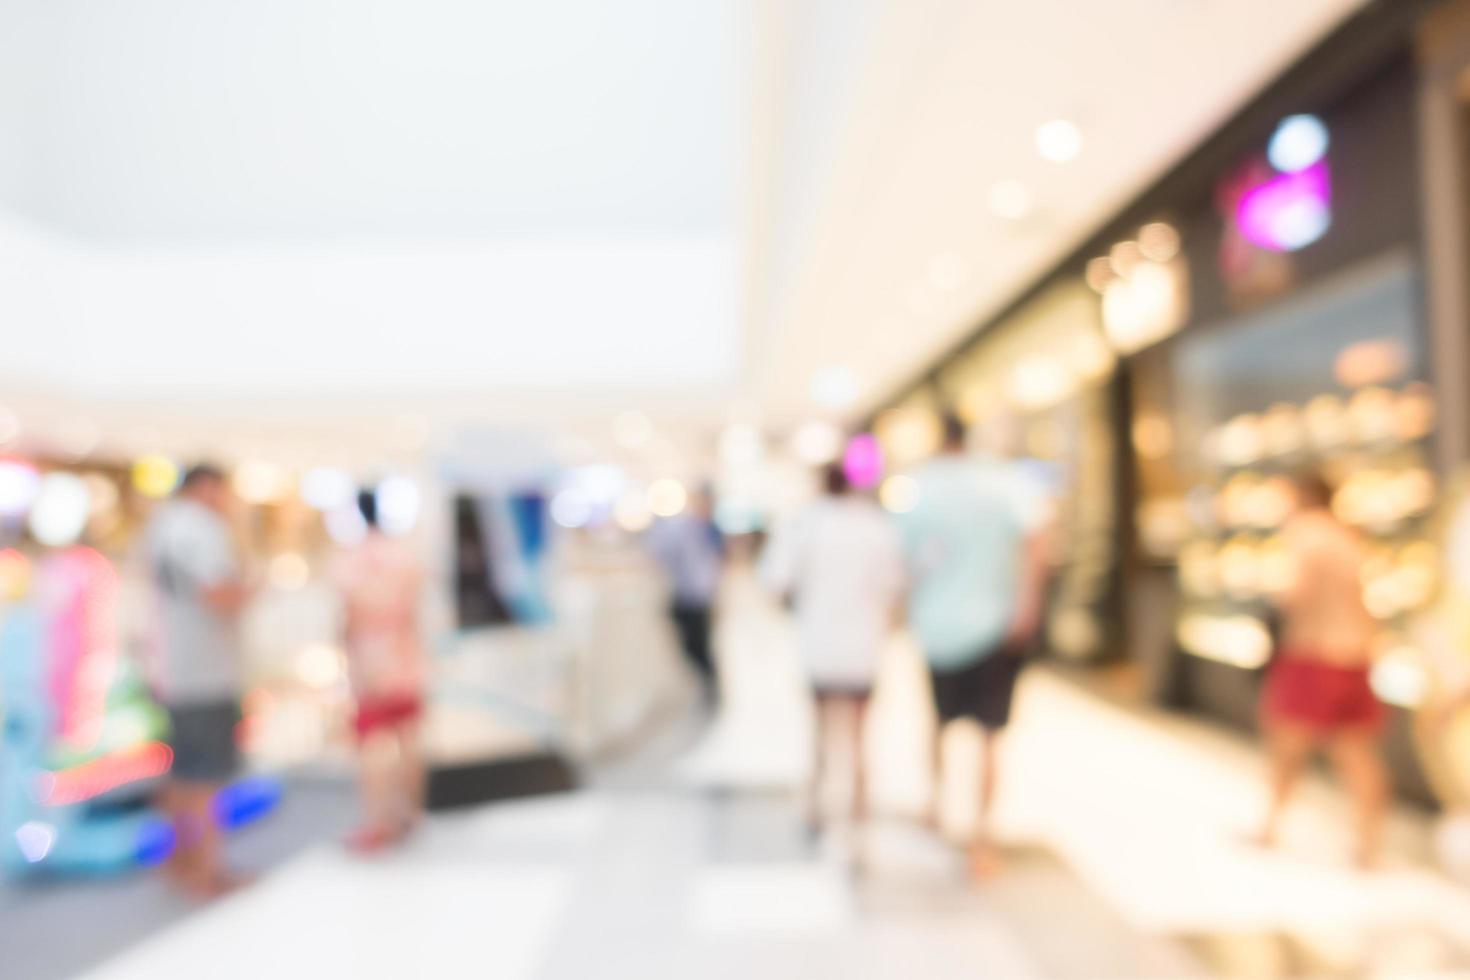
(196, 575)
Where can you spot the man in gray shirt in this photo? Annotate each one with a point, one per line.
(197, 578)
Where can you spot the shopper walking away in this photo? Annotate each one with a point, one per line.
(196, 573)
(1317, 690)
(381, 581)
(840, 562)
(975, 558)
(692, 551)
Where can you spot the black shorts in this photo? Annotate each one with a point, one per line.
(203, 741)
(982, 690)
(846, 692)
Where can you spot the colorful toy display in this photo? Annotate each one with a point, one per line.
(83, 743)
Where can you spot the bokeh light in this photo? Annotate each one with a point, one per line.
(1059, 140)
(667, 497)
(862, 461)
(19, 484)
(155, 476)
(1298, 142)
(398, 505)
(899, 494)
(571, 509)
(327, 487)
(60, 512)
(257, 481)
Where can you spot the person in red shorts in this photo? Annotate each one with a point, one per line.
(1317, 690)
(380, 581)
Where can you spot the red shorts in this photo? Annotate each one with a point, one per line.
(1305, 691)
(378, 711)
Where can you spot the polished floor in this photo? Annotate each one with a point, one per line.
(1124, 860)
(1125, 838)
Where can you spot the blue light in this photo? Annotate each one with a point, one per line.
(156, 840)
(246, 801)
(1299, 142)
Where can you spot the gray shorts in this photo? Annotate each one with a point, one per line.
(203, 741)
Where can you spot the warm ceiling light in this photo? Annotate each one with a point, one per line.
(899, 494)
(1124, 258)
(1010, 199)
(1099, 272)
(257, 481)
(1158, 241)
(667, 497)
(1058, 140)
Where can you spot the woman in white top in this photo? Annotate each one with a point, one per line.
(840, 562)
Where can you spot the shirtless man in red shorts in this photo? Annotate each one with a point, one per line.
(380, 581)
(1317, 691)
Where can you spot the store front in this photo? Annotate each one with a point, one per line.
(1264, 311)
(1306, 350)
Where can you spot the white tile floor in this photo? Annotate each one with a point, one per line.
(673, 883)
(1126, 862)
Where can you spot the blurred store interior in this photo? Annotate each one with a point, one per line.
(544, 278)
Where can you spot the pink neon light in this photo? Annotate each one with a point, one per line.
(1289, 211)
(90, 779)
(82, 595)
(862, 463)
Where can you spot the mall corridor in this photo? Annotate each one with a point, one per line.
(735, 488)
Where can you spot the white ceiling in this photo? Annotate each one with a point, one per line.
(353, 207)
(938, 100)
(473, 210)
(211, 119)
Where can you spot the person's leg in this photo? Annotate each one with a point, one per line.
(692, 625)
(858, 712)
(995, 680)
(934, 818)
(379, 788)
(197, 864)
(821, 760)
(1359, 762)
(984, 856)
(411, 775)
(212, 874)
(701, 649)
(182, 865)
(940, 686)
(1289, 747)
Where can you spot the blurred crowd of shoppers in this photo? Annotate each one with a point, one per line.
(964, 571)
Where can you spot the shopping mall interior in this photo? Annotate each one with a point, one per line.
(734, 488)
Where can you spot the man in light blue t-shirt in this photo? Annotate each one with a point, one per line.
(977, 575)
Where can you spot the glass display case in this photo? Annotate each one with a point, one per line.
(1331, 381)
